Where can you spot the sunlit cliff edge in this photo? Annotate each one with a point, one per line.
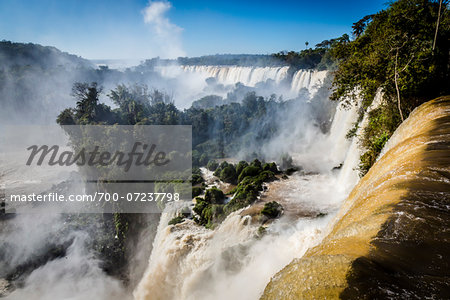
(391, 237)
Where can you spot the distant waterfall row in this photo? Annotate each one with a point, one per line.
(251, 76)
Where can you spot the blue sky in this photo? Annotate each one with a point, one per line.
(141, 29)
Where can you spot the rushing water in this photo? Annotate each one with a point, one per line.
(249, 76)
(391, 237)
(388, 239)
(310, 80)
(191, 262)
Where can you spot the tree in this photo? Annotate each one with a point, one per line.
(66, 117)
(228, 174)
(132, 101)
(398, 51)
(88, 110)
(394, 53)
(324, 44)
(437, 24)
(157, 96)
(360, 26)
(87, 96)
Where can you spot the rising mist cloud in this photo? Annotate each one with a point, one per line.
(168, 35)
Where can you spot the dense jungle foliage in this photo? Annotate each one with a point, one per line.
(402, 51)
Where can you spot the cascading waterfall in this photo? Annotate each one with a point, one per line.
(191, 262)
(323, 152)
(348, 174)
(390, 238)
(184, 257)
(310, 80)
(249, 76)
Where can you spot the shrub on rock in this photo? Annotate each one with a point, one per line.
(212, 165)
(272, 210)
(214, 196)
(228, 174)
(176, 220)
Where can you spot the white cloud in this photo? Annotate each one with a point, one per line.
(167, 34)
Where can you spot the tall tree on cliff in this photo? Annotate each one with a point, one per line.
(400, 51)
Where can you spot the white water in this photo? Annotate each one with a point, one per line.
(191, 262)
(348, 175)
(310, 80)
(249, 76)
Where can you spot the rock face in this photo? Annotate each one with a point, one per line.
(391, 238)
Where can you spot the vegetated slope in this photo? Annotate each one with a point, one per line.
(20, 54)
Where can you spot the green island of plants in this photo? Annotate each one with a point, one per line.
(249, 179)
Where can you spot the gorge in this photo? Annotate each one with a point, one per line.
(316, 173)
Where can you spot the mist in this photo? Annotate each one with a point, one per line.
(77, 275)
(234, 260)
(49, 256)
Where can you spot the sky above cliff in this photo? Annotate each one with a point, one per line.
(137, 29)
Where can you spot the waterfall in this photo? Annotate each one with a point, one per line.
(191, 262)
(323, 152)
(391, 232)
(308, 79)
(185, 255)
(343, 120)
(249, 76)
(348, 175)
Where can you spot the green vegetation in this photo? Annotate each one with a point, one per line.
(249, 172)
(209, 101)
(217, 132)
(241, 166)
(382, 123)
(226, 172)
(207, 213)
(401, 51)
(250, 60)
(37, 56)
(320, 57)
(209, 210)
(272, 210)
(196, 191)
(212, 165)
(270, 167)
(214, 196)
(197, 176)
(212, 209)
(261, 231)
(176, 220)
(231, 59)
(34, 78)
(136, 105)
(248, 189)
